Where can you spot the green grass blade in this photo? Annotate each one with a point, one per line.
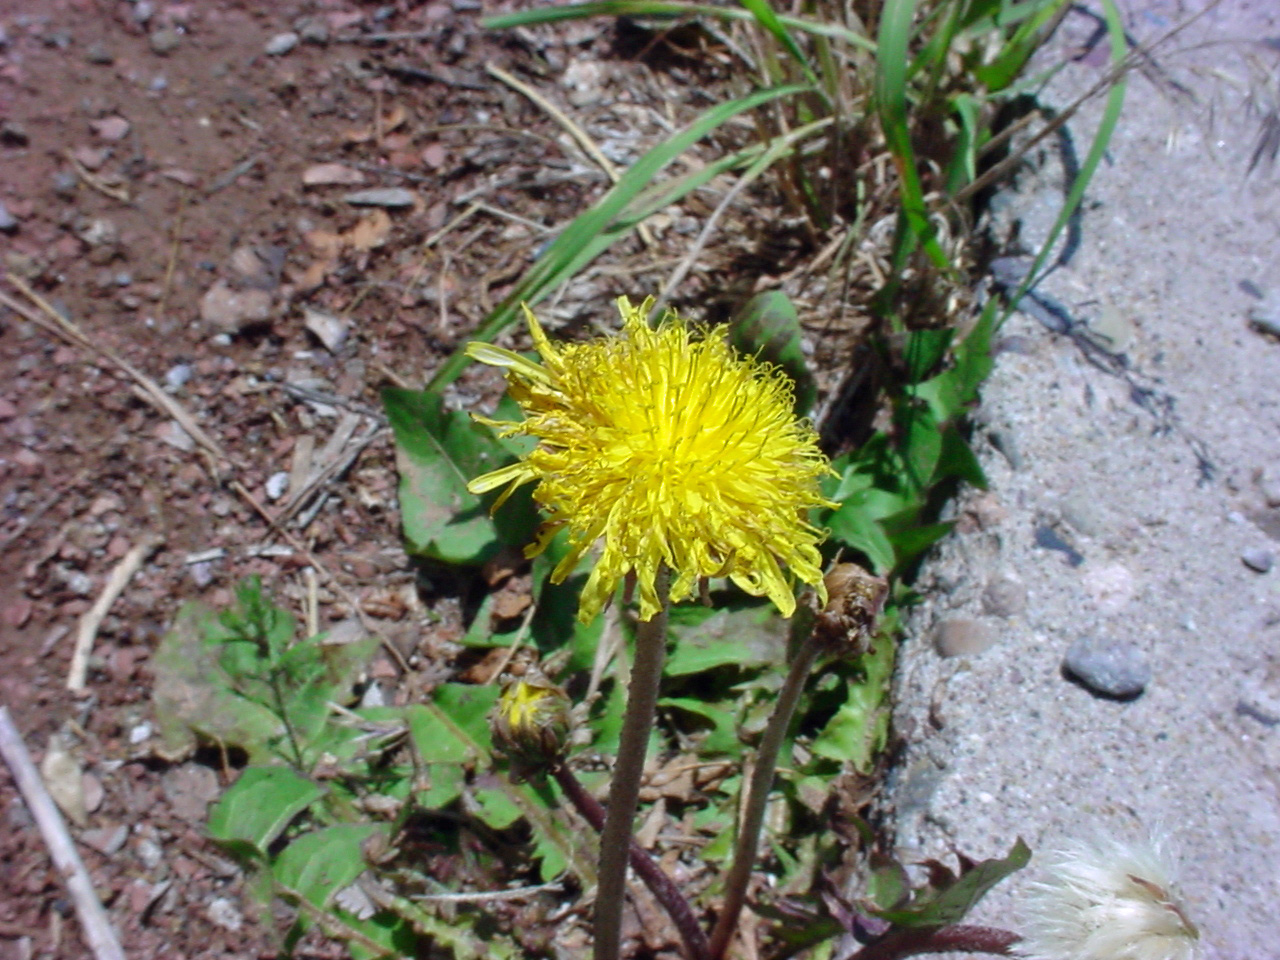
(652, 8)
(768, 20)
(574, 248)
(892, 51)
(1097, 149)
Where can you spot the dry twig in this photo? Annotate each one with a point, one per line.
(575, 131)
(92, 620)
(98, 932)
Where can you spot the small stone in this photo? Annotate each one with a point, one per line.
(190, 788)
(106, 840)
(99, 55)
(172, 433)
(328, 329)
(230, 310)
(1004, 597)
(1110, 585)
(65, 183)
(111, 129)
(143, 10)
(962, 637)
(1109, 668)
(140, 733)
(281, 44)
(177, 376)
(201, 573)
(149, 852)
(433, 155)
(8, 222)
(277, 484)
(313, 30)
(326, 174)
(1082, 513)
(1258, 559)
(225, 914)
(1260, 698)
(164, 41)
(99, 232)
(391, 197)
(13, 135)
(93, 792)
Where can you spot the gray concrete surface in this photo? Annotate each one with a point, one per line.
(1177, 245)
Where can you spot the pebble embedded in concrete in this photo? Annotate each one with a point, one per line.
(1109, 668)
(963, 637)
(1004, 597)
(1258, 559)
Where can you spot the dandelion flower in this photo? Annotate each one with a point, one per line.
(1107, 900)
(670, 449)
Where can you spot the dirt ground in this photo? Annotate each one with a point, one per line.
(177, 181)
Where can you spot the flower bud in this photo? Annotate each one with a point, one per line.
(530, 724)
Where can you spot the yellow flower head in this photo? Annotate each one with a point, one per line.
(673, 450)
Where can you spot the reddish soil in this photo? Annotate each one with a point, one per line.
(145, 161)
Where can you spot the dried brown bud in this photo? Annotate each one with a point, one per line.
(855, 600)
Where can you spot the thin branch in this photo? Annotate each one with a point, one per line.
(99, 935)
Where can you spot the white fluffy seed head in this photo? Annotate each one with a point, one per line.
(1107, 900)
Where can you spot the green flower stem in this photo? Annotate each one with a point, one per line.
(960, 938)
(744, 853)
(660, 885)
(624, 790)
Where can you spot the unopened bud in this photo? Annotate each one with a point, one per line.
(530, 724)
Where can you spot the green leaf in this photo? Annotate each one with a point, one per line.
(193, 698)
(856, 523)
(924, 350)
(436, 739)
(437, 453)
(949, 903)
(957, 460)
(768, 326)
(445, 784)
(749, 636)
(319, 864)
(722, 737)
(921, 441)
(888, 884)
(494, 804)
(259, 805)
(860, 728)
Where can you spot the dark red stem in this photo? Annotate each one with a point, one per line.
(909, 942)
(660, 885)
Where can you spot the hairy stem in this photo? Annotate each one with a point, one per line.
(624, 789)
(744, 853)
(959, 938)
(660, 885)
